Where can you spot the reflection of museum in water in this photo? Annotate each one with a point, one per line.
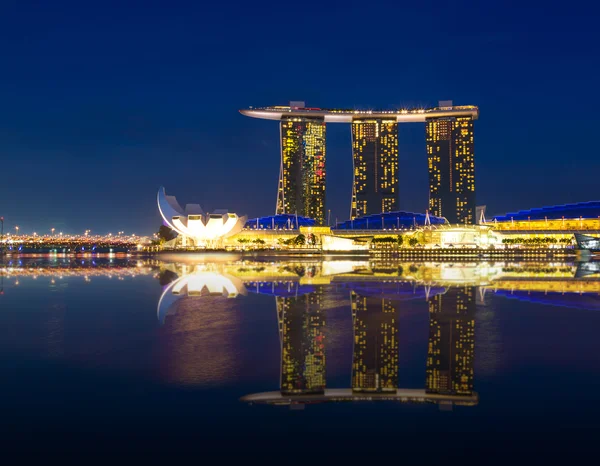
(376, 295)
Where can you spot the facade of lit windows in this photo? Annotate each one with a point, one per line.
(301, 187)
(375, 156)
(302, 333)
(451, 350)
(375, 352)
(451, 163)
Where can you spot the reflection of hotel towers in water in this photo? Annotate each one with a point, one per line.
(302, 326)
(451, 351)
(375, 354)
(450, 153)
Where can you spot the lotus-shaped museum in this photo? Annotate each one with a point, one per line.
(192, 223)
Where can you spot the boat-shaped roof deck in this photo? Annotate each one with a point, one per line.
(349, 115)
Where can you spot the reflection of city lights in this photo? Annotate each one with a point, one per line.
(449, 363)
(196, 284)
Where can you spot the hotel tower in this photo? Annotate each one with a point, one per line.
(450, 158)
(375, 156)
(301, 187)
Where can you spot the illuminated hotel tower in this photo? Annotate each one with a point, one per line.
(450, 156)
(302, 326)
(301, 187)
(375, 353)
(451, 352)
(375, 155)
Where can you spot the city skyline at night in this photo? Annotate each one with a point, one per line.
(375, 184)
(129, 110)
(258, 230)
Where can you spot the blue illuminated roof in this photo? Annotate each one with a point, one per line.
(398, 219)
(581, 209)
(280, 221)
(574, 300)
(394, 291)
(281, 289)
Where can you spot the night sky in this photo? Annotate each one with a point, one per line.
(103, 102)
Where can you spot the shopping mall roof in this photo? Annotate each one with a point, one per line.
(278, 222)
(589, 209)
(391, 220)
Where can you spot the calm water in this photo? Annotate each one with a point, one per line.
(348, 359)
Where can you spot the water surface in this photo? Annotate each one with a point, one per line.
(224, 357)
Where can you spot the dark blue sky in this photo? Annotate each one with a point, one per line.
(103, 102)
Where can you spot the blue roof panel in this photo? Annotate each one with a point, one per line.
(278, 222)
(589, 209)
(397, 220)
